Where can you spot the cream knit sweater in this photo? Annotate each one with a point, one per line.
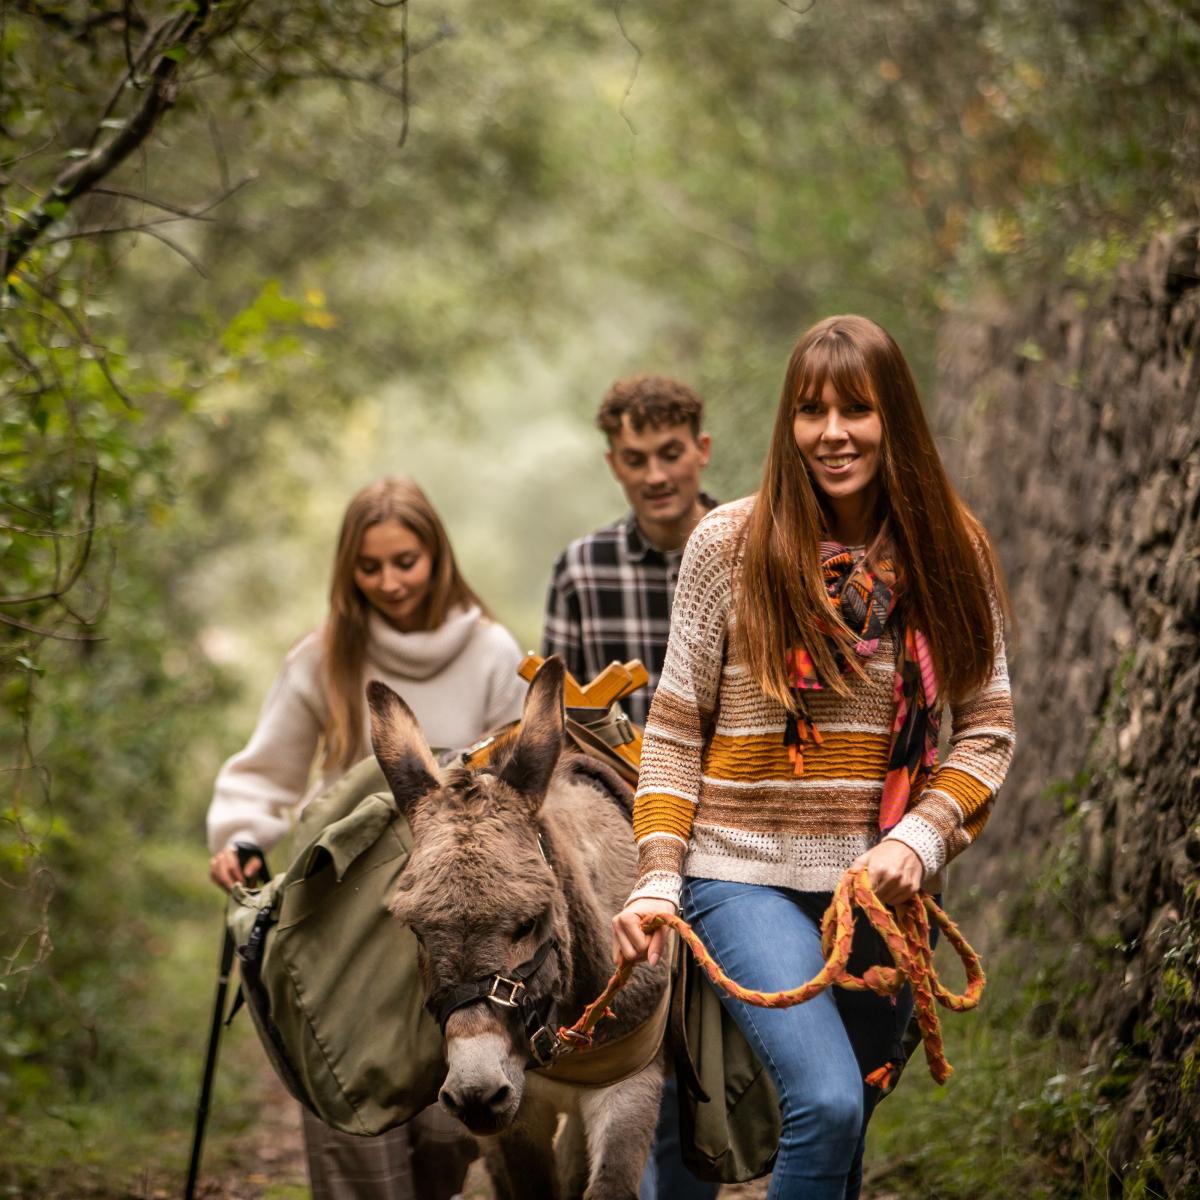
(459, 680)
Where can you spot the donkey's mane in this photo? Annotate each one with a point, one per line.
(459, 830)
(602, 777)
(461, 784)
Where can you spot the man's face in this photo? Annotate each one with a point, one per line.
(659, 468)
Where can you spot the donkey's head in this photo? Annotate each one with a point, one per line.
(481, 896)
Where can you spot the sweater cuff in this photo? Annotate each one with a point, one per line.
(658, 885)
(661, 852)
(925, 841)
(660, 868)
(244, 837)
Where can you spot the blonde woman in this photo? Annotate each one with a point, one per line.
(400, 611)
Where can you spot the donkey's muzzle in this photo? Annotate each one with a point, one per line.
(482, 1109)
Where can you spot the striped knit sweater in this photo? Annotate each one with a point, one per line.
(717, 796)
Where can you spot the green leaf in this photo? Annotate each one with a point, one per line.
(176, 53)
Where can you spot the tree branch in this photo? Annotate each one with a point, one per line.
(404, 72)
(85, 173)
(633, 71)
(50, 633)
(194, 214)
(183, 252)
(101, 359)
(61, 587)
(80, 31)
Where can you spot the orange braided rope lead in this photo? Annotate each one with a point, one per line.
(907, 938)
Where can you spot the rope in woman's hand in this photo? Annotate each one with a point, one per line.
(906, 935)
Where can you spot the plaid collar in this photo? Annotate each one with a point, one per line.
(637, 545)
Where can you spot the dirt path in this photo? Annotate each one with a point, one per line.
(273, 1150)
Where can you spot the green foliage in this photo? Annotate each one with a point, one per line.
(108, 740)
(577, 197)
(1038, 133)
(1190, 1077)
(125, 1128)
(1024, 1114)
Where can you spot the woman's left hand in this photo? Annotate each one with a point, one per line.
(896, 870)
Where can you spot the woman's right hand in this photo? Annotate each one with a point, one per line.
(630, 943)
(225, 870)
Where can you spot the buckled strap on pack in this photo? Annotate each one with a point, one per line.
(610, 725)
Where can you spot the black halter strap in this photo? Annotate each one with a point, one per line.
(507, 991)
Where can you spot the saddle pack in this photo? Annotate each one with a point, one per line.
(330, 978)
(321, 961)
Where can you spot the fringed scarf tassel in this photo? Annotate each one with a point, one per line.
(914, 730)
(800, 728)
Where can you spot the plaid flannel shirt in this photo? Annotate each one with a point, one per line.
(610, 599)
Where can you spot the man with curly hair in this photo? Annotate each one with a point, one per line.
(610, 599)
(611, 591)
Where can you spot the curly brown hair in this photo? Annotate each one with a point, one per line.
(652, 400)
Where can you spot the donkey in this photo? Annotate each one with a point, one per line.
(515, 872)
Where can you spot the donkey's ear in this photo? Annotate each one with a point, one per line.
(535, 753)
(400, 747)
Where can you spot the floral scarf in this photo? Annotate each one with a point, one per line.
(866, 602)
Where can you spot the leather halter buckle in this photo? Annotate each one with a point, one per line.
(512, 999)
(543, 1046)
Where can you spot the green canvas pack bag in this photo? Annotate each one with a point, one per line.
(729, 1121)
(322, 961)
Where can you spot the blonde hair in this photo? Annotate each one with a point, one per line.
(394, 498)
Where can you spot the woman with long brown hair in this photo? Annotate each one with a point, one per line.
(820, 627)
(400, 611)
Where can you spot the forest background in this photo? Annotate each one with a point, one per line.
(259, 253)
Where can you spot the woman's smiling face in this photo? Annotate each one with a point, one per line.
(840, 442)
(393, 570)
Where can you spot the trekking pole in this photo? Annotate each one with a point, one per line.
(245, 854)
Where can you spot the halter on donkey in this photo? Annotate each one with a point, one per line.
(514, 874)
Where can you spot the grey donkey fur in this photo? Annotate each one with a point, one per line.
(481, 898)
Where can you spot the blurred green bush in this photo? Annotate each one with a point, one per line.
(581, 193)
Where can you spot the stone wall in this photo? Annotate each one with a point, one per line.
(1074, 430)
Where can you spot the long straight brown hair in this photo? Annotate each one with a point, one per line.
(395, 498)
(946, 568)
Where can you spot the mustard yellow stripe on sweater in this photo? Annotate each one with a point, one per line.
(974, 827)
(969, 794)
(657, 813)
(756, 757)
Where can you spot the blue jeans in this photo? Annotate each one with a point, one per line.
(769, 939)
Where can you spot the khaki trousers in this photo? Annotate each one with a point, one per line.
(426, 1159)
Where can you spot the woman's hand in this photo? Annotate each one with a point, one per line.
(225, 870)
(630, 943)
(896, 870)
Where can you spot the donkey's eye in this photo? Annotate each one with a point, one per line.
(524, 929)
